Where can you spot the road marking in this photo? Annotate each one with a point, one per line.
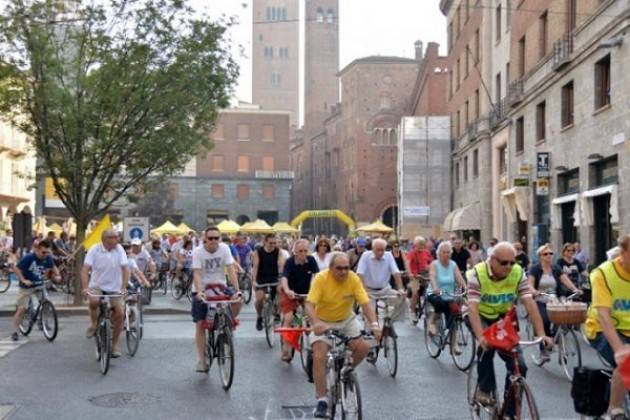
(6, 410)
(7, 345)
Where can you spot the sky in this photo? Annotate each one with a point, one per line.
(367, 27)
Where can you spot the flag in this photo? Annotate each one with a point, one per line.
(95, 236)
(291, 336)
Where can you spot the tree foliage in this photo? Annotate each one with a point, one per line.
(111, 91)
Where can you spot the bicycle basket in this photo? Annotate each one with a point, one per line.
(568, 313)
(590, 391)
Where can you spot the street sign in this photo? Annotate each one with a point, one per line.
(542, 186)
(523, 169)
(136, 227)
(542, 164)
(521, 182)
(416, 211)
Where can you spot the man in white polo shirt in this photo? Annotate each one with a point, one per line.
(106, 267)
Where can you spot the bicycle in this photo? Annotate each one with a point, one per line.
(300, 324)
(134, 323)
(389, 339)
(423, 281)
(517, 392)
(270, 311)
(341, 380)
(65, 272)
(103, 333)
(435, 344)
(566, 341)
(6, 273)
(161, 281)
(147, 292)
(219, 337)
(181, 285)
(44, 314)
(245, 285)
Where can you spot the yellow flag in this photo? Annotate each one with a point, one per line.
(95, 236)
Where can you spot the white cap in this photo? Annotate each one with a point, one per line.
(136, 241)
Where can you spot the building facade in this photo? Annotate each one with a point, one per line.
(276, 56)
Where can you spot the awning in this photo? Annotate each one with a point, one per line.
(564, 199)
(508, 200)
(587, 207)
(467, 218)
(556, 215)
(516, 198)
(448, 221)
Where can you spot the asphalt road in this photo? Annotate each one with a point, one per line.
(61, 380)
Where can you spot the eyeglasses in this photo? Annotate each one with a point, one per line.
(572, 251)
(546, 254)
(213, 238)
(505, 263)
(342, 268)
(302, 251)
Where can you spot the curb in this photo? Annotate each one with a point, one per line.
(82, 311)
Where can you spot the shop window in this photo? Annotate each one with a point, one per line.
(569, 182)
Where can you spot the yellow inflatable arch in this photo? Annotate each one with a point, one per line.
(321, 214)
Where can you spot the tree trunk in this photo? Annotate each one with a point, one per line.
(78, 260)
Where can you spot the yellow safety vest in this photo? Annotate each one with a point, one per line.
(619, 288)
(497, 297)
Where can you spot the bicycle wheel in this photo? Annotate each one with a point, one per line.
(177, 288)
(390, 352)
(477, 411)
(304, 351)
(569, 352)
(48, 316)
(521, 399)
(247, 288)
(268, 323)
(466, 345)
(350, 398)
(433, 343)
(27, 321)
(164, 283)
(225, 358)
(5, 281)
(132, 331)
(105, 345)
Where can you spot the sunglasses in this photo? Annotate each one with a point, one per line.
(505, 263)
(342, 268)
(546, 254)
(213, 238)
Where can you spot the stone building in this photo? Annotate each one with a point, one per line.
(569, 128)
(276, 56)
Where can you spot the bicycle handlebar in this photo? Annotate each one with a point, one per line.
(538, 340)
(106, 296)
(387, 296)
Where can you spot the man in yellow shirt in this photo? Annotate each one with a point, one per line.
(329, 306)
(608, 322)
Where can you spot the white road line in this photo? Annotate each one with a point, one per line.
(7, 345)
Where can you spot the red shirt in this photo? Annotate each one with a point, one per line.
(419, 261)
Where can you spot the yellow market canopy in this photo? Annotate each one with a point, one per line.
(259, 226)
(228, 226)
(376, 227)
(54, 228)
(169, 229)
(184, 227)
(282, 227)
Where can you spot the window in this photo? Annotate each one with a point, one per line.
(242, 191)
(567, 105)
(268, 133)
(543, 27)
(571, 15)
(458, 20)
(218, 132)
(466, 62)
(465, 168)
(450, 84)
(457, 73)
(466, 112)
(269, 52)
(508, 13)
(330, 16)
(242, 164)
(507, 77)
(605, 172)
(284, 13)
(268, 14)
(498, 23)
(602, 82)
(243, 132)
(521, 57)
(497, 88)
(457, 124)
(457, 174)
(467, 5)
(477, 105)
(541, 117)
(502, 160)
(217, 163)
(268, 191)
(267, 163)
(475, 163)
(320, 15)
(218, 190)
(273, 13)
(450, 36)
(477, 48)
(386, 102)
(569, 182)
(520, 135)
(276, 79)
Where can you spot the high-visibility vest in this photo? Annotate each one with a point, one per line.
(497, 297)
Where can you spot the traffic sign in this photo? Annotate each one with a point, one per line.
(136, 227)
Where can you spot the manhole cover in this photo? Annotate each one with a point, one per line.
(122, 399)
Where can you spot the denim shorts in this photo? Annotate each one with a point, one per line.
(600, 343)
(199, 309)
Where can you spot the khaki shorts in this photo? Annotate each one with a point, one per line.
(23, 295)
(350, 327)
(116, 302)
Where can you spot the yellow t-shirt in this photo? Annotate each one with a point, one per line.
(602, 298)
(334, 299)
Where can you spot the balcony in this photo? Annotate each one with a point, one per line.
(562, 51)
(515, 93)
(498, 114)
(471, 130)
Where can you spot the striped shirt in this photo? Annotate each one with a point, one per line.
(474, 286)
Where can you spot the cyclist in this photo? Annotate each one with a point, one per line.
(329, 306)
(244, 252)
(444, 276)
(158, 254)
(322, 253)
(106, 268)
(210, 262)
(460, 255)
(493, 287)
(354, 255)
(143, 258)
(136, 276)
(185, 257)
(268, 263)
(608, 321)
(30, 272)
(419, 259)
(571, 266)
(296, 279)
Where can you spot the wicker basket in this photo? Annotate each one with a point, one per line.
(569, 313)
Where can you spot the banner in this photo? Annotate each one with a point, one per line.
(95, 236)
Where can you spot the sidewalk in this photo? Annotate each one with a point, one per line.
(160, 304)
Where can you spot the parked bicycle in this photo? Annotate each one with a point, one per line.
(518, 401)
(103, 333)
(463, 350)
(134, 322)
(219, 337)
(44, 314)
(388, 344)
(343, 386)
(271, 320)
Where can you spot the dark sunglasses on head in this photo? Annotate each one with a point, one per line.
(342, 268)
(505, 263)
(213, 238)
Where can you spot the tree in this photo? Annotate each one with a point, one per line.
(111, 91)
